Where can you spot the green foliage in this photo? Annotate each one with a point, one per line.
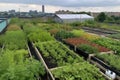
(64, 34)
(40, 35)
(70, 65)
(74, 24)
(78, 33)
(29, 28)
(13, 27)
(116, 36)
(111, 59)
(87, 23)
(80, 71)
(110, 26)
(14, 66)
(59, 52)
(88, 49)
(14, 20)
(14, 40)
(101, 17)
(109, 43)
(91, 23)
(109, 19)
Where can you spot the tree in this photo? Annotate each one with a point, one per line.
(101, 17)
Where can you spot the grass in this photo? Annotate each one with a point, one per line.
(110, 26)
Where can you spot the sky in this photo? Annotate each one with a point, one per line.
(55, 5)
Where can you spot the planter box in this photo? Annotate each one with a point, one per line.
(105, 65)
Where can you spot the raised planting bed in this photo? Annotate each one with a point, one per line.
(65, 64)
(80, 41)
(56, 54)
(13, 27)
(79, 71)
(86, 35)
(16, 65)
(101, 30)
(109, 43)
(15, 61)
(115, 36)
(35, 34)
(14, 40)
(111, 59)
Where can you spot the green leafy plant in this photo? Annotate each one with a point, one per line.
(14, 40)
(58, 52)
(77, 72)
(64, 34)
(111, 59)
(16, 66)
(40, 35)
(88, 49)
(109, 43)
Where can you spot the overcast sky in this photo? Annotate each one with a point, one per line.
(53, 5)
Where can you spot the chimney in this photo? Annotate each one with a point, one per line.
(43, 9)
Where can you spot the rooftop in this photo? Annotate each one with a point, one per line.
(73, 16)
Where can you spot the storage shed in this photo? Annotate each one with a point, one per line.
(3, 23)
(69, 18)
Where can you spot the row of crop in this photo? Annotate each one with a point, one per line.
(13, 27)
(112, 60)
(14, 59)
(106, 42)
(56, 55)
(109, 43)
(14, 40)
(80, 71)
(116, 36)
(64, 33)
(86, 45)
(16, 66)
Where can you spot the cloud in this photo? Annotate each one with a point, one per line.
(49, 8)
(68, 3)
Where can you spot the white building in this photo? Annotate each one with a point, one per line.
(68, 18)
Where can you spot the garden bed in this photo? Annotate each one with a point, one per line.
(112, 60)
(80, 41)
(57, 55)
(109, 43)
(15, 57)
(68, 64)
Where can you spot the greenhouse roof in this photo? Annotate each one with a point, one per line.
(73, 16)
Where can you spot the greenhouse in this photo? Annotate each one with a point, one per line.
(68, 18)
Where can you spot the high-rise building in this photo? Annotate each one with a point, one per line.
(43, 9)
